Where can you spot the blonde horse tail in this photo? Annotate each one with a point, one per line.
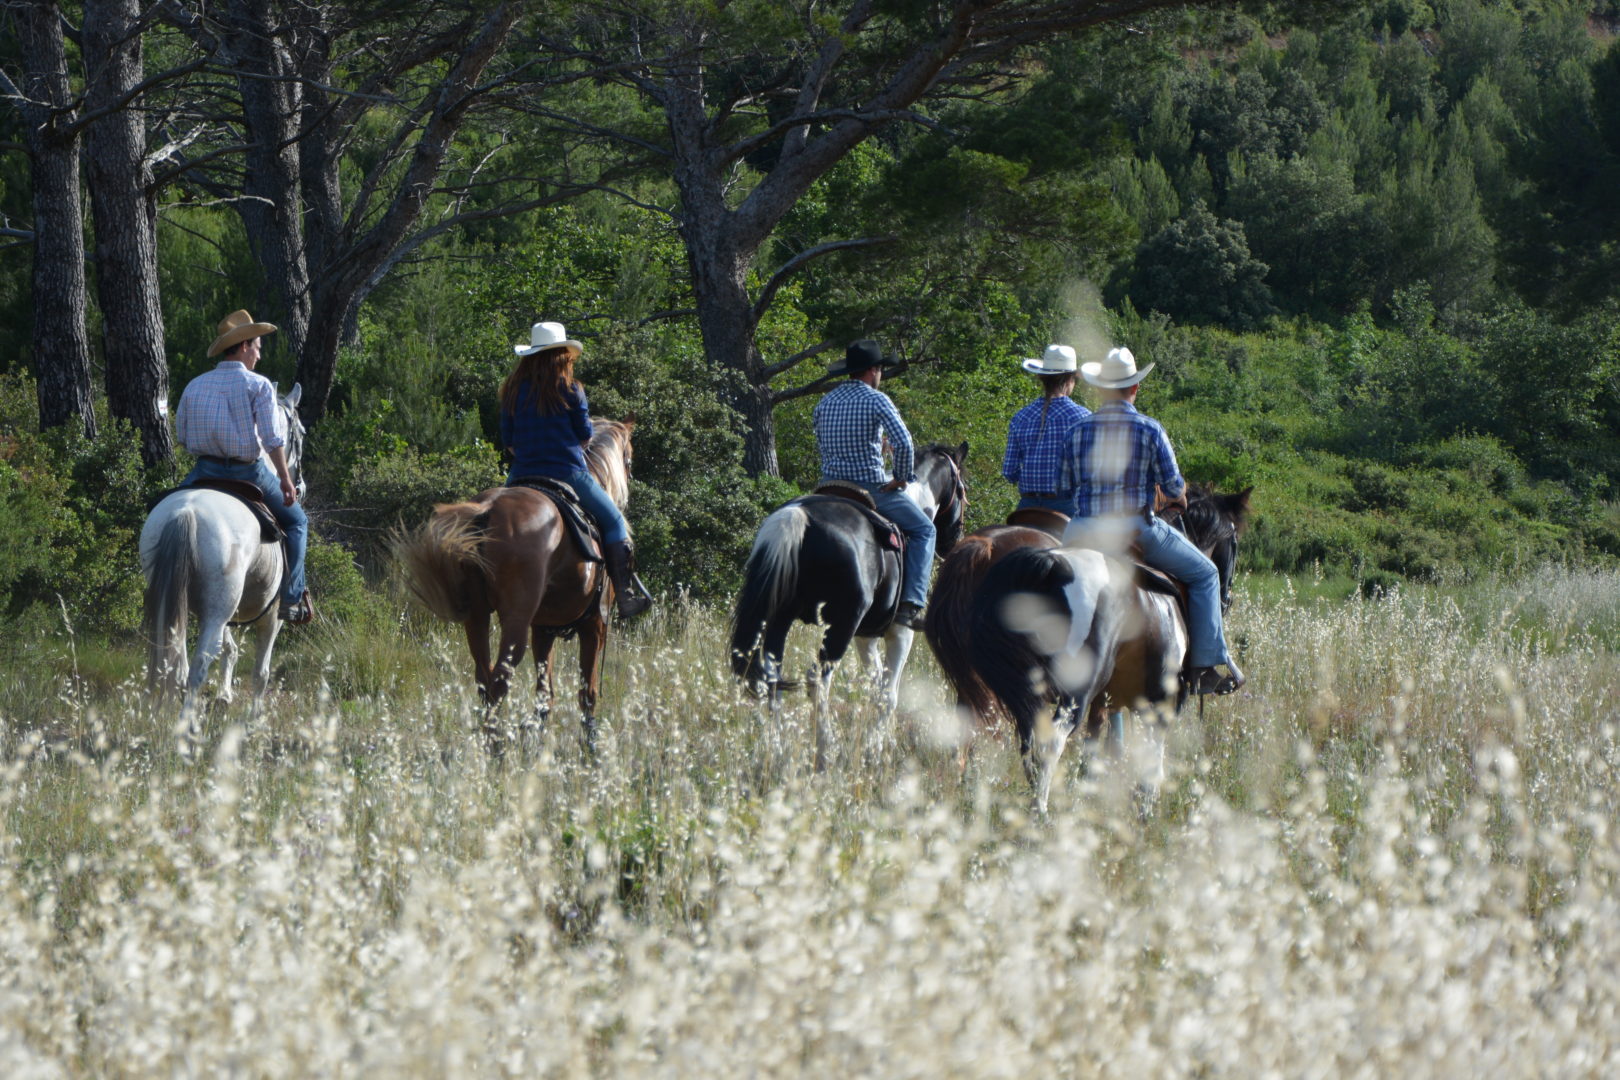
(443, 559)
(166, 602)
(947, 624)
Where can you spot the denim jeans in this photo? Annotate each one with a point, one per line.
(1166, 548)
(919, 530)
(594, 500)
(294, 522)
(1062, 504)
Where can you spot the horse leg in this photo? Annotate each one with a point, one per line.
(897, 641)
(543, 642)
(264, 634)
(592, 639)
(1042, 741)
(210, 640)
(834, 643)
(228, 653)
(514, 638)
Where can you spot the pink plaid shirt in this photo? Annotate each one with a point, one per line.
(229, 412)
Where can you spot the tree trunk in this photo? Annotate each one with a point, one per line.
(61, 345)
(271, 213)
(121, 201)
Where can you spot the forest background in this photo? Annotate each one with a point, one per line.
(1370, 247)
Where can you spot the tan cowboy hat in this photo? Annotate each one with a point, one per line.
(1116, 372)
(548, 335)
(236, 328)
(1057, 360)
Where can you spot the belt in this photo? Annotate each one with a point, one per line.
(1042, 494)
(213, 460)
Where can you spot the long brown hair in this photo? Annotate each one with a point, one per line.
(1056, 384)
(548, 374)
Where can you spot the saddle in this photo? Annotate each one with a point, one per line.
(847, 489)
(1051, 522)
(249, 494)
(581, 529)
(886, 532)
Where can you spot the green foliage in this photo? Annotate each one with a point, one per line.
(1199, 270)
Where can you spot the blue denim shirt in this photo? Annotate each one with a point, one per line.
(546, 444)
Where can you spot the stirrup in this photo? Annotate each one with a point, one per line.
(301, 613)
(910, 616)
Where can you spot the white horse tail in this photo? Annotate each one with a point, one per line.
(444, 560)
(168, 588)
(770, 579)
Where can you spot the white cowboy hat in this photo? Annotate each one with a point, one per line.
(236, 328)
(548, 335)
(1116, 372)
(1057, 360)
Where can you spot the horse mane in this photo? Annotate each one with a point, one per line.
(949, 611)
(604, 456)
(1207, 510)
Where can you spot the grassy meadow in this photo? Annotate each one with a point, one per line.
(1395, 853)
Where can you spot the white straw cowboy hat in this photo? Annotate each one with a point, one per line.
(1116, 372)
(236, 328)
(1057, 360)
(548, 335)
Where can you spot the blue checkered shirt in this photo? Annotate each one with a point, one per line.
(850, 422)
(229, 412)
(1117, 456)
(1035, 450)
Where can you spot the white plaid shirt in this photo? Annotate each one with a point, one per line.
(229, 412)
(850, 422)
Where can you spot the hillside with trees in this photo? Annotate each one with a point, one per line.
(1371, 247)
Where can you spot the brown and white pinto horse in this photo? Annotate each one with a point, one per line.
(507, 552)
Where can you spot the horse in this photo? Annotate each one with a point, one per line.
(202, 552)
(1212, 520)
(819, 559)
(1051, 635)
(507, 552)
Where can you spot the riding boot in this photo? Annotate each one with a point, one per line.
(632, 595)
(1208, 680)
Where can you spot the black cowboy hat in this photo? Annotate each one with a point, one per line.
(862, 355)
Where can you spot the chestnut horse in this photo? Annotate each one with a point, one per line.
(507, 552)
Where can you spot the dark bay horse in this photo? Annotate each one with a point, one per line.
(819, 559)
(1054, 635)
(507, 552)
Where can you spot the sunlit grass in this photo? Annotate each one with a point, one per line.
(1393, 853)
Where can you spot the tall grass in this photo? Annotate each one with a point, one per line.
(1394, 853)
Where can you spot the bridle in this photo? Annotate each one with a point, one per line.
(953, 507)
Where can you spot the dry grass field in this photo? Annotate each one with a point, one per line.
(1394, 854)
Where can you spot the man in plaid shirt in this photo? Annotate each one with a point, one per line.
(851, 421)
(1118, 457)
(228, 420)
(1039, 435)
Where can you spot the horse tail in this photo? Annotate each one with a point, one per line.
(1019, 619)
(770, 580)
(444, 559)
(948, 620)
(166, 602)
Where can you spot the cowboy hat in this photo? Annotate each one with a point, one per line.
(548, 335)
(862, 355)
(1057, 360)
(1116, 372)
(236, 328)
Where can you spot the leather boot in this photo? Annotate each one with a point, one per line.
(632, 597)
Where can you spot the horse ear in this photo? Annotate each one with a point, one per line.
(961, 453)
(295, 395)
(629, 420)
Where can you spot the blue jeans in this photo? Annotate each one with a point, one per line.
(1167, 548)
(593, 499)
(294, 522)
(919, 531)
(1062, 504)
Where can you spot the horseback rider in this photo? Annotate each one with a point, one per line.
(1039, 435)
(228, 420)
(851, 421)
(1117, 459)
(545, 425)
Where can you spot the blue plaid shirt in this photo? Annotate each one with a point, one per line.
(1035, 453)
(850, 422)
(1117, 456)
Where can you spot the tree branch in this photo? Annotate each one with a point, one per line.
(795, 264)
(771, 371)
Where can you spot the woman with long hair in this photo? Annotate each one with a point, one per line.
(545, 425)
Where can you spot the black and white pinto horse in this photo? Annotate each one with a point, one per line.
(202, 553)
(819, 559)
(1068, 636)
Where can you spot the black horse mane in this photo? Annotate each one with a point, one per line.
(1209, 512)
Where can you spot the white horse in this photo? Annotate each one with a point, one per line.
(202, 552)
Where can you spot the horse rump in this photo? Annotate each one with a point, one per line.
(1019, 621)
(444, 560)
(770, 584)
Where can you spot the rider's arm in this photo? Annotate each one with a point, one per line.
(1014, 457)
(905, 459)
(579, 415)
(1166, 474)
(278, 461)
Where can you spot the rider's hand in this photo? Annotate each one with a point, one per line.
(893, 485)
(289, 494)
